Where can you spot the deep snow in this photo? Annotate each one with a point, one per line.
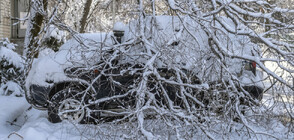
(19, 121)
(10, 108)
(32, 124)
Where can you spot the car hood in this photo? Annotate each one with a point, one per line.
(50, 69)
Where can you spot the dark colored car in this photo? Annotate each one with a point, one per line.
(103, 74)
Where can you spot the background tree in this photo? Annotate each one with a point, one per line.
(85, 15)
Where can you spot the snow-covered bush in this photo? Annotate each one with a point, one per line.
(11, 69)
(11, 88)
(54, 38)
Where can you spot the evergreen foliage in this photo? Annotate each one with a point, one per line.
(11, 69)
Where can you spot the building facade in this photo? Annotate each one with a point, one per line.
(12, 16)
(5, 22)
(19, 12)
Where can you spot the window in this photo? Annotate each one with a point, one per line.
(23, 15)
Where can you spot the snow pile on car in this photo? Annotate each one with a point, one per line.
(177, 42)
(83, 49)
(183, 42)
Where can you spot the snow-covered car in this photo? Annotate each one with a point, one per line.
(103, 72)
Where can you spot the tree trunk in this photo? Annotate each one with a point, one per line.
(85, 15)
(34, 27)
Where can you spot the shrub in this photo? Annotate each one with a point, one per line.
(11, 69)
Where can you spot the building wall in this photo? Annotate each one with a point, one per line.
(5, 29)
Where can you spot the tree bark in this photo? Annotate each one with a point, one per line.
(85, 15)
(34, 27)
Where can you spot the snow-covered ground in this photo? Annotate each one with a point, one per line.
(11, 108)
(19, 121)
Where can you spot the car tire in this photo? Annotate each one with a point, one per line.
(67, 104)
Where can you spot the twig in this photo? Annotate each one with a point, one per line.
(15, 134)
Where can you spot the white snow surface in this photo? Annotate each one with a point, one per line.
(7, 53)
(11, 88)
(51, 67)
(119, 26)
(10, 108)
(32, 124)
(55, 32)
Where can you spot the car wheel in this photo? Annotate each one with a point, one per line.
(67, 104)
